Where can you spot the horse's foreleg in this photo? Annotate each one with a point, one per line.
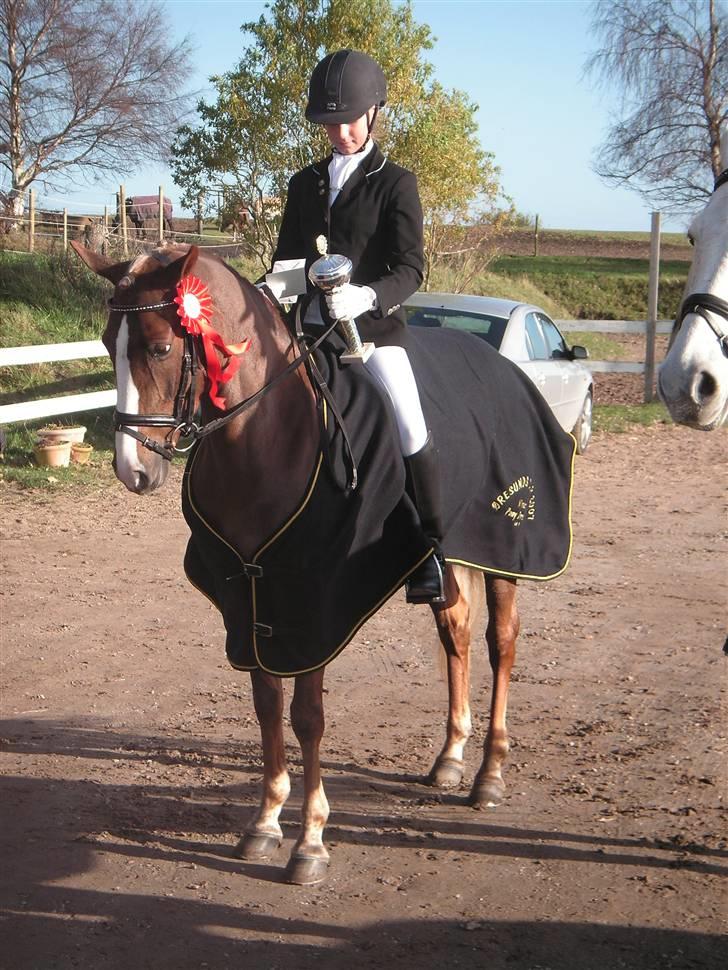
(309, 858)
(454, 629)
(263, 835)
(501, 633)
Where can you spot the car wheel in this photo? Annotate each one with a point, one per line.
(583, 427)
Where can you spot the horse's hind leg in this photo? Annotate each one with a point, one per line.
(309, 858)
(263, 835)
(454, 628)
(501, 633)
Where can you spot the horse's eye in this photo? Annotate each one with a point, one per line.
(159, 351)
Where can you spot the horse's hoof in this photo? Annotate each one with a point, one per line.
(306, 870)
(447, 772)
(487, 793)
(256, 845)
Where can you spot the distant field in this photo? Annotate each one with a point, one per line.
(621, 236)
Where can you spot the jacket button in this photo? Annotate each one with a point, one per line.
(321, 182)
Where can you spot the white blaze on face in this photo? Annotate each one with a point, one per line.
(128, 463)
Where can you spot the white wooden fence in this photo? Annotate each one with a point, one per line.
(51, 406)
(614, 327)
(83, 349)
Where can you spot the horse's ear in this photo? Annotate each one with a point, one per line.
(190, 260)
(101, 265)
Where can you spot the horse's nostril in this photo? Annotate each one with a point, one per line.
(706, 386)
(142, 482)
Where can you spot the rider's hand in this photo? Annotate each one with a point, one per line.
(347, 302)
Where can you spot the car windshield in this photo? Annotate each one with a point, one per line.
(489, 328)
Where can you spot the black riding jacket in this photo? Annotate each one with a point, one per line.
(376, 220)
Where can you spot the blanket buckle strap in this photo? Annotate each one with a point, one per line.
(250, 569)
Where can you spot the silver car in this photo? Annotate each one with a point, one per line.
(528, 337)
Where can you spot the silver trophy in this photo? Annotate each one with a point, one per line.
(328, 273)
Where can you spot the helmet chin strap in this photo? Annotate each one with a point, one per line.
(372, 122)
(370, 125)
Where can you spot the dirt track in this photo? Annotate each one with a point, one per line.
(130, 755)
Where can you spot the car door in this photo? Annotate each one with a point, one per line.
(541, 367)
(570, 373)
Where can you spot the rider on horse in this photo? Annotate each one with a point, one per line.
(367, 208)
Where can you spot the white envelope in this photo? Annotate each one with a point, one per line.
(287, 279)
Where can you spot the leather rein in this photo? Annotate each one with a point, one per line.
(182, 422)
(703, 304)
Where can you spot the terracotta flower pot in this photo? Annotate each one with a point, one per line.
(81, 452)
(53, 454)
(74, 433)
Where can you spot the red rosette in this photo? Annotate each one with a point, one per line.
(195, 309)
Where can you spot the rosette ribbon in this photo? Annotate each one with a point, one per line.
(194, 308)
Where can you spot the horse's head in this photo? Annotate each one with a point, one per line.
(150, 352)
(693, 380)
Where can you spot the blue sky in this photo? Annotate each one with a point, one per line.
(521, 61)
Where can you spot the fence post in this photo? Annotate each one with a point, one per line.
(161, 214)
(652, 296)
(31, 220)
(105, 240)
(535, 238)
(122, 218)
(65, 230)
(199, 214)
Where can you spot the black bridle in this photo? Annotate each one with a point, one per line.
(182, 422)
(703, 304)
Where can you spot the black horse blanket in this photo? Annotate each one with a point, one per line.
(506, 469)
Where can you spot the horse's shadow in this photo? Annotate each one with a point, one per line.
(144, 819)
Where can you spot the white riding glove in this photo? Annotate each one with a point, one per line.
(348, 302)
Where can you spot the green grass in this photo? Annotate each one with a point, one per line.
(19, 466)
(596, 288)
(621, 417)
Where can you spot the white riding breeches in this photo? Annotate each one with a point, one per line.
(391, 367)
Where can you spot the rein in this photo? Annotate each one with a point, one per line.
(703, 304)
(181, 422)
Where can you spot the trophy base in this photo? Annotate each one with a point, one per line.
(357, 356)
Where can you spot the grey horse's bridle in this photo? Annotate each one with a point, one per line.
(705, 304)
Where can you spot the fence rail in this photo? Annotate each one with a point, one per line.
(84, 349)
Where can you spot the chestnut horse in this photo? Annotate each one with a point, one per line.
(249, 476)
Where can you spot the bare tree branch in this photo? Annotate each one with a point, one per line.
(87, 87)
(668, 59)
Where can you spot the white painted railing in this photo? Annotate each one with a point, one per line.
(638, 327)
(49, 407)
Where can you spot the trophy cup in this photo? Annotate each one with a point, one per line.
(328, 273)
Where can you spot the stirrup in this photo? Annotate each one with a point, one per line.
(426, 584)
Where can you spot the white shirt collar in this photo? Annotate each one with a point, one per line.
(341, 167)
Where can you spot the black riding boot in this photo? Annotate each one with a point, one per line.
(425, 584)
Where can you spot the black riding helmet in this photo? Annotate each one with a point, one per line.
(343, 87)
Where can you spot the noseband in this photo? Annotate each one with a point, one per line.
(703, 304)
(182, 422)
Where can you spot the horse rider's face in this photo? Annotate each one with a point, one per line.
(348, 139)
